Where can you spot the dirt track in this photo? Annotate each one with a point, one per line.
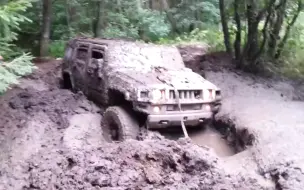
(51, 139)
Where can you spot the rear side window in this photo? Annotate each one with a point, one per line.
(82, 53)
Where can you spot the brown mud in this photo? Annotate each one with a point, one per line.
(207, 137)
(51, 139)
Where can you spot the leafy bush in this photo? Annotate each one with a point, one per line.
(153, 24)
(10, 18)
(213, 38)
(292, 60)
(57, 48)
(195, 13)
(136, 23)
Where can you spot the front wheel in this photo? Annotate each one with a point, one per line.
(119, 124)
(67, 81)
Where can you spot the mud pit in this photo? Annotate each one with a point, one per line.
(51, 139)
(207, 137)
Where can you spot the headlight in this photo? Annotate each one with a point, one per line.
(156, 94)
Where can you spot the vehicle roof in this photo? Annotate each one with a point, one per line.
(102, 40)
(139, 54)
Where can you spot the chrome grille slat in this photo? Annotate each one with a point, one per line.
(184, 94)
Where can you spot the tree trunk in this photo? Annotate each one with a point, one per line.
(252, 40)
(67, 11)
(265, 31)
(238, 34)
(289, 26)
(99, 19)
(170, 17)
(276, 28)
(46, 28)
(253, 49)
(225, 27)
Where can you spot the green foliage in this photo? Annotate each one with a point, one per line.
(196, 13)
(10, 18)
(57, 48)
(11, 71)
(292, 60)
(213, 38)
(120, 18)
(134, 22)
(11, 15)
(153, 23)
(118, 25)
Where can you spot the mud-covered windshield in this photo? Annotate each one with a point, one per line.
(145, 56)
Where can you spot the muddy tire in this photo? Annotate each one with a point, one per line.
(67, 81)
(119, 124)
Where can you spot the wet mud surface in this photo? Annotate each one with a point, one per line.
(207, 137)
(50, 138)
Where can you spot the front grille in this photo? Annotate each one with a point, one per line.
(186, 94)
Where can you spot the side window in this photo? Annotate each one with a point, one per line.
(82, 53)
(97, 54)
(97, 57)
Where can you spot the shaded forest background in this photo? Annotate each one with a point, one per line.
(257, 34)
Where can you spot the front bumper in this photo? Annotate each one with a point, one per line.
(167, 120)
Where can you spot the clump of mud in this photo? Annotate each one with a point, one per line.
(57, 104)
(154, 163)
(238, 137)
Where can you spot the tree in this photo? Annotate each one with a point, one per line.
(46, 27)
(264, 21)
(227, 40)
(100, 18)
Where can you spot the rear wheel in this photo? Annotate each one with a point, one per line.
(119, 124)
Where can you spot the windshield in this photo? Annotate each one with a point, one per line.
(145, 56)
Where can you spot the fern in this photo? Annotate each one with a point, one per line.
(10, 18)
(11, 71)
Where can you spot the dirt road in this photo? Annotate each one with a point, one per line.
(51, 139)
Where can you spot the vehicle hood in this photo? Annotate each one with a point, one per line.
(161, 78)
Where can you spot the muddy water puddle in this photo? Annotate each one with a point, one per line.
(207, 136)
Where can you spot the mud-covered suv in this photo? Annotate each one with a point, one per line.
(140, 84)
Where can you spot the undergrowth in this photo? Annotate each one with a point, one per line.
(292, 60)
(211, 37)
(57, 48)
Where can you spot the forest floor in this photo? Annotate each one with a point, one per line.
(50, 138)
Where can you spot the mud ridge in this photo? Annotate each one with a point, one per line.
(239, 138)
(152, 163)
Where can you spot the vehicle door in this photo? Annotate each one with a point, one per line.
(95, 73)
(81, 58)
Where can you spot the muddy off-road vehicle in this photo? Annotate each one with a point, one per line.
(140, 84)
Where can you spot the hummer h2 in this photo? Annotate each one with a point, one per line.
(140, 84)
